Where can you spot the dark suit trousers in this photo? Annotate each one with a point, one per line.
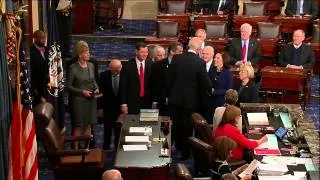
(110, 120)
(181, 128)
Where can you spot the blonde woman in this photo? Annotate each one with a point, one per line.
(247, 88)
(82, 88)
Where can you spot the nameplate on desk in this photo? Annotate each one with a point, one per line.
(143, 130)
(144, 139)
(258, 119)
(135, 147)
(149, 114)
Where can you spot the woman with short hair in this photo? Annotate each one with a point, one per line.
(82, 87)
(247, 88)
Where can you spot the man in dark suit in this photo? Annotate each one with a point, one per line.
(39, 66)
(136, 81)
(222, 7)
(302, 7)
(109, 84)
(244, 50)
(187, 78)
(297, 55)
(158, 76)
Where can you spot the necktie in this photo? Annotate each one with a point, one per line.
(42, 49)
(244, 51)
(141, 77)
(115, 84)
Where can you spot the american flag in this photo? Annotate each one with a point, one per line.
(23, 162)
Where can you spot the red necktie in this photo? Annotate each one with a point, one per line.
(244, 51)
(141, 77)
(42, 49)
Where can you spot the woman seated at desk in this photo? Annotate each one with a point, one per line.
(228, 127)
(247, 88)
(222, 147)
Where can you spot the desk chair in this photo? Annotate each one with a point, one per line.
(167, 33)
(217, 34)
(67, 163)
(254, 9)
(182, 173)
(107, 14)
(268, 35)
(176, 7)
(203, 130)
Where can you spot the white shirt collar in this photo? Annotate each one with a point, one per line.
(208, 65)
(192, 51)
(297, 46)
(139, 63)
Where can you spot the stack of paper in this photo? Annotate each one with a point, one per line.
(135, 147)
(142, 130)
(268, 148)
(143, 139)
(272, 169)
(258, 119)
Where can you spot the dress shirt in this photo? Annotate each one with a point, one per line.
(208, 64)
(297, 46)
(115, 83)
(42, 52)
(247, 46)
(221, 3)
(300, 6)
(138, 65)
(192, 51)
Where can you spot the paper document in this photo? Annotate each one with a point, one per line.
(258, 119)
(135, 147)
(137, 139)
(286, 120)
(284, 177)
(272, 143)
(290, 160)
(140, 129)
(272, 169)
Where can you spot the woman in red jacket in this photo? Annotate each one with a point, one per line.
(228, 127)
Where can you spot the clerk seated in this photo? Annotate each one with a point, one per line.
(228, 127)
(297, 55)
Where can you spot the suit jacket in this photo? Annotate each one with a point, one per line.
(306, 60)
(158, 80)
(187, 78)
(39, 71)
(110, 102)
(309, 7)
(227, 8)
(221, 83)
(130, 85)
(235, 51)
(248, 94)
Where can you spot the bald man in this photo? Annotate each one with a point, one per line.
(109, 84)
(111, 174)
(39, 66)
(187, 78)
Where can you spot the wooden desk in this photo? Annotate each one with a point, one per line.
(183, 19)
(219, 44)
(291, 85)
(146, 165)
(269, 49)
(199, 20)
(238, 20)
(160, 41)
(289, 24)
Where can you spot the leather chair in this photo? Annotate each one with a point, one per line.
(315, 34)
(167, 33)
(203, 130)
(183, 173)
(107, 14)
(67, 163)
(167, 29)
(202, 156)
(176, 7)
(216, 29)
(254, 8)
(269, 37)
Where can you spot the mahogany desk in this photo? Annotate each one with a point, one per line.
(199, 20)
(165, 42)
(289, 24)
(291, 85)
(138, 165)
